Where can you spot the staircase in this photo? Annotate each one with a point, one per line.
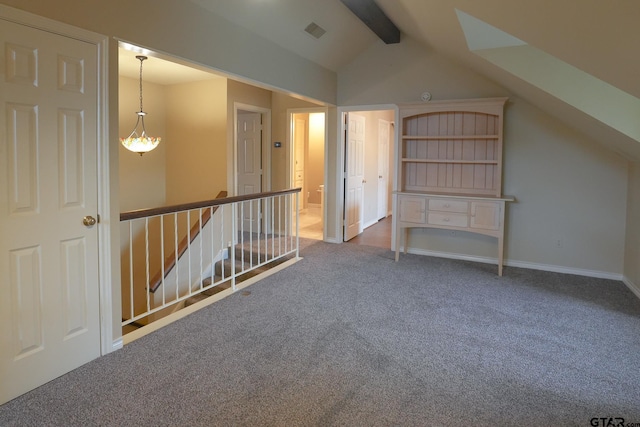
(243, 264)
(211, 254)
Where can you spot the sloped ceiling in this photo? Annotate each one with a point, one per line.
(599, 38)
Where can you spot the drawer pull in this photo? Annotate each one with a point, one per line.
(447, 205)
(445, 219)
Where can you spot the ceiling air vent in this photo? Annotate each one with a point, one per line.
(315, 30)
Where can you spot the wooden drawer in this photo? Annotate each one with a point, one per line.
(448, 219)
(413, 210)
(448, 205)
(485, 215)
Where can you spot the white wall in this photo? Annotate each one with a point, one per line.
(400, 73)
(568, 188)
(632, 244)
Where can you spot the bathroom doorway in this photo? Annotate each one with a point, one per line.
(307, 145)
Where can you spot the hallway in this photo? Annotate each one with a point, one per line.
(378, 235)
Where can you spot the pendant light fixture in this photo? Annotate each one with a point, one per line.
(142, 143)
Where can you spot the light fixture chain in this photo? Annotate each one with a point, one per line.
(141, 58)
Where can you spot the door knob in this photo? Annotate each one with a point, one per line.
(89, 221)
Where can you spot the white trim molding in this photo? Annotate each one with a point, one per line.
(528, 265)
(632, 286)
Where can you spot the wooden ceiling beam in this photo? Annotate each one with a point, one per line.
(374, 17)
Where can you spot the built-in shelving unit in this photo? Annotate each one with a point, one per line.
(451, 168)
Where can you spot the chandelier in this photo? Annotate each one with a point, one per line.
(141, 143)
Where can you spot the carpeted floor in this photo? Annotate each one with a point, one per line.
(349, 337)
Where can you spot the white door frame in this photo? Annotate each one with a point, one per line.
(107, 218)
(383, 156)
(290, 155)
(341, 139)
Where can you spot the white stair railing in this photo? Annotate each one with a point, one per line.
(173, 253)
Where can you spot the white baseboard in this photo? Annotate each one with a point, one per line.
(332, 240)
(522, 264)
(566, 270)
(117, 344)
(632, 286)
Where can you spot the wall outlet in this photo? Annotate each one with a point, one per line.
(559, 242)
(453, 232)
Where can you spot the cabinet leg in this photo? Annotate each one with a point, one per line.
(500, 254)
(406, 240)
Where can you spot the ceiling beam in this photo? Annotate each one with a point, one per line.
(371, 14)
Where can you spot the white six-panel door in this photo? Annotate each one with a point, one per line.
(249, 155)
(49, 291)
(354, 192)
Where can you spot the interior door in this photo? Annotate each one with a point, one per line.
(49, 295)
(384, 132)
(354, 161)
(249, 143)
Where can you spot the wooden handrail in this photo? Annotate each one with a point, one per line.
(143, 213)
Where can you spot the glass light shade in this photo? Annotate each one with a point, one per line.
(140, 144)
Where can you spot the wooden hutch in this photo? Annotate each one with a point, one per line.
(450, 169)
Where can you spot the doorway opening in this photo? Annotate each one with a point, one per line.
(368, 169)
(307, 153)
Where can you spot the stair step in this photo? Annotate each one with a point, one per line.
(209, 292)
(246, 259)
(239, 267)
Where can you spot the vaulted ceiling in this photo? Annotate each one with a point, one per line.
(598, 39)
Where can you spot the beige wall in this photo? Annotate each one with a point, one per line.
(142, 178)
(196, 140)
(185, 30)
(280, 104)
(190, 162)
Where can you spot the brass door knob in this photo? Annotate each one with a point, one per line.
(89, 221)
